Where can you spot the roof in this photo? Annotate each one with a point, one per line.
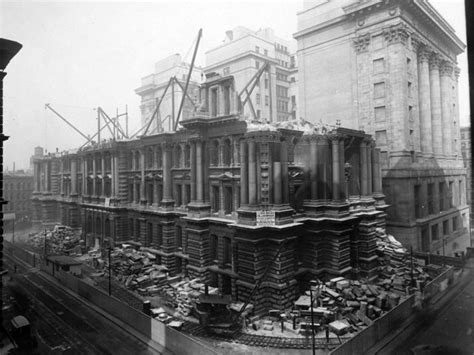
(63, 260)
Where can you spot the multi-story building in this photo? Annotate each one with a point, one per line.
(154, 85)
(466, 150)
(224, 198)
(389, 68)
(17, 192)
(243, 54)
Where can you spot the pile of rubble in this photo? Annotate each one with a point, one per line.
(137, 270)
(387, 244)
(186, 294)
(60, 240)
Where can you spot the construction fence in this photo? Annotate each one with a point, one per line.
(172, 340)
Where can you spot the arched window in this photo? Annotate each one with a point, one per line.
(227, 156)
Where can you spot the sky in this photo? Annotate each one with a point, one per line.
(78, 55)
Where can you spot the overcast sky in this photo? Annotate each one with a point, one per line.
(78, 55)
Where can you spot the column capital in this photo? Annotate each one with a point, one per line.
(417, 43)
(457, 72)
(361, 43)
(446, 68)
(166, 146)
(435, 61)
(396, 34)
(335, 137)
(424, 54)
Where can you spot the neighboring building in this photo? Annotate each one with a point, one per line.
(17, 191)
(38, 152)
(389, 68)
(216, 198)
(243, 53)
(466, 150)
(154, 85)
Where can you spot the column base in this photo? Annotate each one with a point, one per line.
(337, 208)
(315, 208)
(167, 204)
(199, 209)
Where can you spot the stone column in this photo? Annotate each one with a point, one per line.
(244, 195)
(336, 179)
(424, 98)
(167, 188)
(435, 93)
(103, 173)
(94, 176)
(370, 149)
(342, 179)
(142, 177)
(252, 170)
(193, 171)
(446, 96)
(313, 169)
(376, 171)
(199, 173)
(363, 168)
(284, 172)
(277, 174)
(73, 176)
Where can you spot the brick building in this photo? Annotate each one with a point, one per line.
(223, 198)
(389, 68)
(17, 191)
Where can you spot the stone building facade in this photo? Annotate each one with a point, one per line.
(389, 68)
(224, 198)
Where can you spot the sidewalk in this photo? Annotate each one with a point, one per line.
(149, 342)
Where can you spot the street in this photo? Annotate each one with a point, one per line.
(72, 324)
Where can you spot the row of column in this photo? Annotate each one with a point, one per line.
(436, 99)
(42, 176)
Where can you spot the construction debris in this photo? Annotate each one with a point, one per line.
(61, 240)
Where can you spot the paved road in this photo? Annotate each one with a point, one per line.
(448, 331)
(72, 323)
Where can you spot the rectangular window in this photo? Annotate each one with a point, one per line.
(379, 65)
(216, 198)
(455, 223)
(446, 227)
(381, 138)
(379, 90)
(461, 192)
(441, 196)
(379, 113)
(430, 198)
(434, 232)
(451, 194)
(179, 237)
(417, 194)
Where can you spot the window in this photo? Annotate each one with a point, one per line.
(379, 65)
(455, 223)
(434, 232)
(228, 200)
(381, 138)
(179, 237)
(461, 192)
(215, 199)
(451, 194)
(214, 244)
(430, 198)
(227, 251)
(446, 227)
(379, 113)
(266, 100)
(379, 90)
(441, 189)
(418, 212)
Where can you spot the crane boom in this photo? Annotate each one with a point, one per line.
(65, 120)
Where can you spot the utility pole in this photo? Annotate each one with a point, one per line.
(110, 273)
(312, 317)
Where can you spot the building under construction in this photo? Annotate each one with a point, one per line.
(227, 199)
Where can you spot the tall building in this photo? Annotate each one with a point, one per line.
(224, 199)
(243, 54)
(466, 150)
(389, 68)
(153, 87)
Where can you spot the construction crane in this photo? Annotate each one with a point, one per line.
(246, 92)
